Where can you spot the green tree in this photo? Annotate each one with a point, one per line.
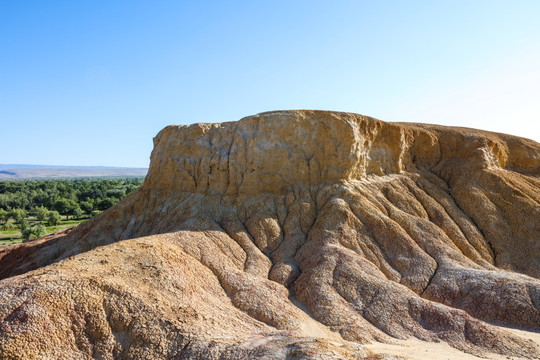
(77, 212)
(65, 206)
(4, 216)
(116, 193)
(41, 213)
(23, 225)
(18, 215)
(18, 200)
(53, 218)
(130, 188)
(9, 226)
(33, 232)
(61, 205)
(4, 199)
(107, 203)
(87, 206)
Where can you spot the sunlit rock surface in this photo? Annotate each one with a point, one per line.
(293, 234)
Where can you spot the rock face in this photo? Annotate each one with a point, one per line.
(292, 234)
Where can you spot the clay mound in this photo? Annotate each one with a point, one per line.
(293, 234)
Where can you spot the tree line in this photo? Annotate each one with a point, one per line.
(47, 200)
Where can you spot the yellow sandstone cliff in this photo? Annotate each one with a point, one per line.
(293, 233)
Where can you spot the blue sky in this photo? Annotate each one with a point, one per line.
(91, 82)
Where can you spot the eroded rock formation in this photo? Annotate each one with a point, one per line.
(293, 233)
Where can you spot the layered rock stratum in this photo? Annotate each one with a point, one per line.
(293, 234)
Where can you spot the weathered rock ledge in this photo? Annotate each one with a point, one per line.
(293, 233)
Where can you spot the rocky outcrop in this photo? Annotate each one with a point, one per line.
(293, 234)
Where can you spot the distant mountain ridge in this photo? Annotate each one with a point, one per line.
(34, 166)
(31, 171)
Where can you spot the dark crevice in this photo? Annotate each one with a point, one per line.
(183, 351)
(391, 208)
(494, 253)
(375, 242)
(430, 280)
(446, 213)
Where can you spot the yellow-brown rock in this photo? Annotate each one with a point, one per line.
(293, 234)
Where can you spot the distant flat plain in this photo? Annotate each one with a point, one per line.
(23, 171)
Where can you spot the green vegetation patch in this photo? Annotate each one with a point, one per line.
(32, 208)
(10, 241)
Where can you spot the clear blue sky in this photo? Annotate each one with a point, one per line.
(91, 82)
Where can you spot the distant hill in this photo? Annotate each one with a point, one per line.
(25, 171)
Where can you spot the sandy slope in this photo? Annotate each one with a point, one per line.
(414, 349)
